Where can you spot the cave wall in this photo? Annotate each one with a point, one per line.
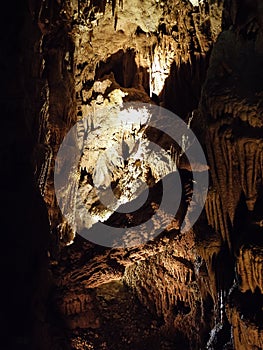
(24, 262)
(84, 54)
(231, 103)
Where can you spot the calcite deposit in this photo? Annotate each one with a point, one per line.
(75, 64)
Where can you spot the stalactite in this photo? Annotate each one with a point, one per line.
(113, 4)
(250, 269)
(79, 7)
(216, 215)
(115, 21)
(44, 172)
(44, 113)
(246, 335)
(249, 155)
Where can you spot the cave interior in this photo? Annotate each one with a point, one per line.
(200, 288)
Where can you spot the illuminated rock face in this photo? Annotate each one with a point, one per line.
(117, 161)
(149, 50)
(206, 285)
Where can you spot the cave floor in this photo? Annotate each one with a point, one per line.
(125, 324)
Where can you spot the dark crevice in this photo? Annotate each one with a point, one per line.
(182, 91)
(122, 64)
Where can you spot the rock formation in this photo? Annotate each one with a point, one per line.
(197, 289)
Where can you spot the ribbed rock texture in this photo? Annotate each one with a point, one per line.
(231, 104)
(196, 290)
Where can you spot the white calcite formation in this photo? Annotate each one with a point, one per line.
(118, 163)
